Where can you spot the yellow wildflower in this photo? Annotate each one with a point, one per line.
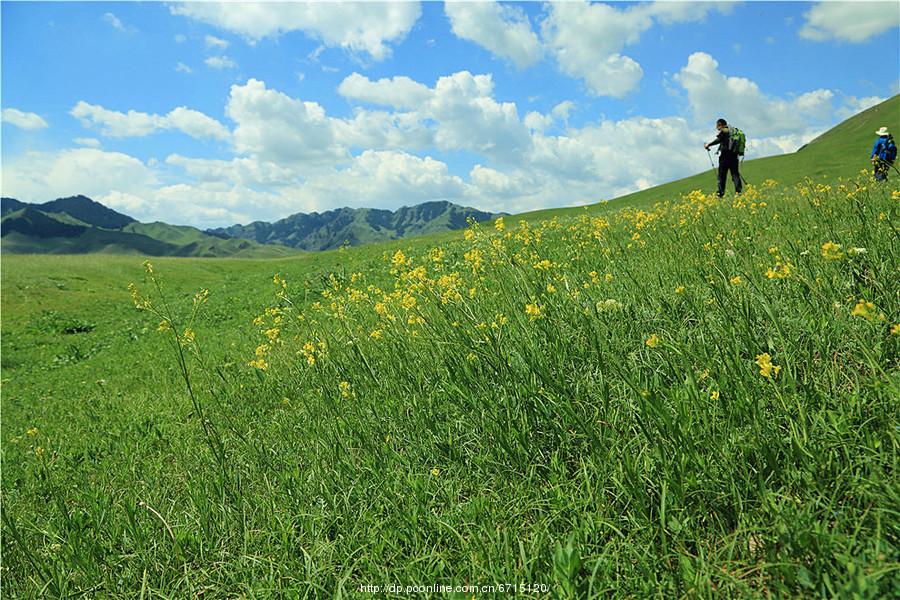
(344, 386)
(498, 224)
(32, 431)
(736, 280)
(766, 368)
(653, 340)
(435, 472)
(832, 251)
(259, 363)
(895, 330)
(865, 310)
(714, 395)
(534, 311)
(679, 289)
(399, 259)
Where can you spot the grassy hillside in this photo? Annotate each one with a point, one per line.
(694, 400)
(840, 152)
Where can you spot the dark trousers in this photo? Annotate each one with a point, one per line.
(729, 162)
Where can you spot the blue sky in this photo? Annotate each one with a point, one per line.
(209, 114)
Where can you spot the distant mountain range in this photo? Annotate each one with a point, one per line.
(79, 225)
(354, 226)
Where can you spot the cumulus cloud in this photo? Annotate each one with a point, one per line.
(355, 26)
(587, 39)
(853, 105)
(854, 22)
(41, 176)
(138, 124)
(183, 68)
(279, 128)
(88, 142)
(219, 63)
(502, 29)
(213, 42)
(399, 92)
(23, 120)
(711, 94)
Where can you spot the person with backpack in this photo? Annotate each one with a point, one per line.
(884, 153)
(731, 147)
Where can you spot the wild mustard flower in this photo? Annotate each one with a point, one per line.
(399, 259)
(736, 280)
(864, 309)
(714, 395)
(832, 251)
(895, 329)
(653, 341)
(679, 289)
(766, 368)
(534, 311)
(344, 387)
(32, 431)
(498, 224)
(259, 363)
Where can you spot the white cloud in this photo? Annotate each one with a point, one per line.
(88, 142)
(220, 62)
(383, 131)
(712, 94)
(195, 124)
(212, 41)
(502, 29)
(139, 124)
(180, 38)
(114, 21)
(854, 22)
(355, 26)
(279, 128)
(854, 105)
(41, 176)
(23, 120)
(386, 179)
(183, 68)
(587, 39)
(399, 92)
(466, 117)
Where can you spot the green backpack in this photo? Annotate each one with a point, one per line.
(738, 141)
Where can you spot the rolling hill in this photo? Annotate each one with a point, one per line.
(842, 151)
(78, 225)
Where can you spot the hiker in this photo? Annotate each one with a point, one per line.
(728, 158)
(884, 152)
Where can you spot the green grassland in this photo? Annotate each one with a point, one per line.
(690, 398)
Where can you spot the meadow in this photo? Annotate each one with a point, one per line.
(692, 398)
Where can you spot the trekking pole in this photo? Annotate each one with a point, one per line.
(710, 159)
(881, 160)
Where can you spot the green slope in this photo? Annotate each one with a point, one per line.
(842, 151)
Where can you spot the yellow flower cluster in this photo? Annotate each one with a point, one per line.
(766, 368)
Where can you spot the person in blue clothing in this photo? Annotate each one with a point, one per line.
(728, 159)
(884, 153)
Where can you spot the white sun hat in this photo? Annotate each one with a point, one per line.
(882, 131)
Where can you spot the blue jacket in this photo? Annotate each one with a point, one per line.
(880, 149)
